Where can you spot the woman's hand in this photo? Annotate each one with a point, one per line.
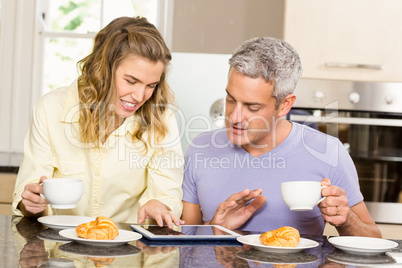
(32, 204)
(156, 210)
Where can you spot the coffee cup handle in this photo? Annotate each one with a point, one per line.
(319, 201)
(42, 195)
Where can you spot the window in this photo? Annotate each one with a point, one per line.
(68, 29)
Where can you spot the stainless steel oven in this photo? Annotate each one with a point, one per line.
(367, 118)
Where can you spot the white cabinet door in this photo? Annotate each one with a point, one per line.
(347, 39)
(220, 26)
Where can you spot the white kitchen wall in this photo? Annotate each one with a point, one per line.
(198, 80)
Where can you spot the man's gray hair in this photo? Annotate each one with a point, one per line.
(272, 59)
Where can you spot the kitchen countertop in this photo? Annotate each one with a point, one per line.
(9, 169)
(25, 242)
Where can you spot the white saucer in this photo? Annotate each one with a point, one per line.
(60, 222)
(254, 241)
(362, 245)
(123, 237)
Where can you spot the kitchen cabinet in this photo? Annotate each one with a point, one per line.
(7, 181)
(220, 26)
(358, 40)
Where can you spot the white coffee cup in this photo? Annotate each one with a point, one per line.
(63, 193)
(301, 195)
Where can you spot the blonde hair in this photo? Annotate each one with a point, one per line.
(123, 37)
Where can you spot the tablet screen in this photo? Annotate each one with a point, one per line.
(185, 232)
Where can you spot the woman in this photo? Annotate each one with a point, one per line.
(113, 129)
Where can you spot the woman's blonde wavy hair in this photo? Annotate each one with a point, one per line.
(121, 38)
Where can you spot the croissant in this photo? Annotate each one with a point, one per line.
(282, 237)
(102, 228)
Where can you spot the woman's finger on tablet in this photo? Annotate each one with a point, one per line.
(159, 220)
(168, 219)
(176, 220)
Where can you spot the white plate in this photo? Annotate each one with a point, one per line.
(254, 241)
(60, 222)
(123, 237)
(362, 245)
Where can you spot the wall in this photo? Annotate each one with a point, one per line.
(197, 80)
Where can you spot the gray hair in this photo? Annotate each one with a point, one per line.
(272, 59)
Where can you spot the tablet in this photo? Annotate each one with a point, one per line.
(185, 232)
(190, 242)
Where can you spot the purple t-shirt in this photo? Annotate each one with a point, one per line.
(216, 168)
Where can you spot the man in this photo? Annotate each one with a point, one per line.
(259, 149)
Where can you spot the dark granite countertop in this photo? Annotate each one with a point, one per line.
(9, 169)
(25, 242)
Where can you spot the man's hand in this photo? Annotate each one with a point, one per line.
(334, 208)
(355, 220)
(234, 212)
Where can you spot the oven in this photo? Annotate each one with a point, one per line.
(367, 118)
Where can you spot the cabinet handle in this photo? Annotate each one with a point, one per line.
(354, 65)
(388, 122)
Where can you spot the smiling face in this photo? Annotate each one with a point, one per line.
(136, 78)
(251, 116)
